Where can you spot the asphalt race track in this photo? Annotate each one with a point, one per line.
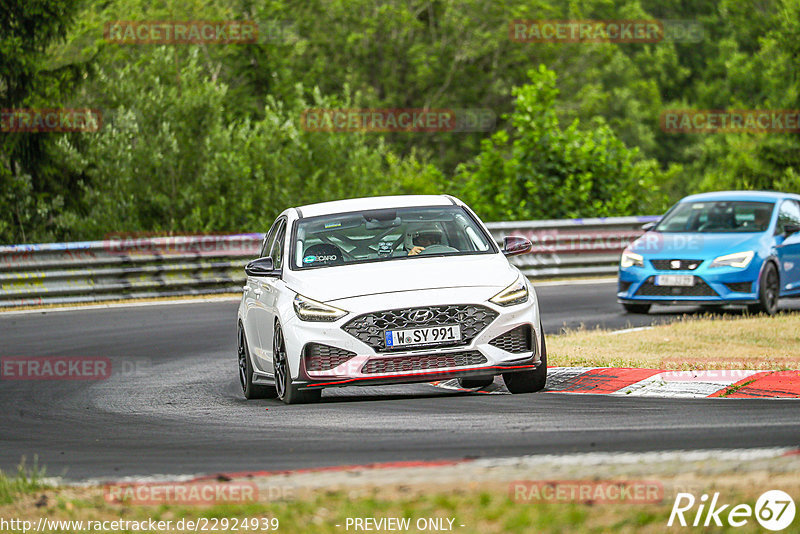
(174, 405)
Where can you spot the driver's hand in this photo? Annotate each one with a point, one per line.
(416, 250)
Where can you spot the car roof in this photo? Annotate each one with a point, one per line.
(763, 196)
(374, 203)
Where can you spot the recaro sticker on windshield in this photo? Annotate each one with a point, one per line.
(315, 259)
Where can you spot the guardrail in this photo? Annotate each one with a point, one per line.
(572, 247)
(128, 267)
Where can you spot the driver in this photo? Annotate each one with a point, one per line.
(762, 219)
(423, 239)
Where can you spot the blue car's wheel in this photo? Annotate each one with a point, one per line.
(768, 291)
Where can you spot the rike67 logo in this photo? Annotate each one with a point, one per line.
(774, 510)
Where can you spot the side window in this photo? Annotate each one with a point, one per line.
(270, 239)
(789, 214)
(276, 251)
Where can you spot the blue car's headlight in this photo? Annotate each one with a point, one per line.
(629, 259)
(739, 260)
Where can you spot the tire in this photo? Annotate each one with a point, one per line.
(529, 381)
(286, 391)
(769, 288)
(476, 382)
(250, 390)
(636, 308)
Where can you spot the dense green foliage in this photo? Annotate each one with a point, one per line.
(549, 172)
(208, 137)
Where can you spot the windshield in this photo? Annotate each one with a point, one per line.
(717, 216)
(386, 235)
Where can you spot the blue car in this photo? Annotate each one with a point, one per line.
(716, 249)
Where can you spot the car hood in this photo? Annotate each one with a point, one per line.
(694, 245)
(333, 283)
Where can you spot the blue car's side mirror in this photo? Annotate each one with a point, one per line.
(790, 229)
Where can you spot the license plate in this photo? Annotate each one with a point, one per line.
(422, 336)
(683, 280)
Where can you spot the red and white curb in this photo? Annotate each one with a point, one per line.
(661, 383)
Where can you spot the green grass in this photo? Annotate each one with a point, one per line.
(706, 342)
(25, 481)
(478, 510)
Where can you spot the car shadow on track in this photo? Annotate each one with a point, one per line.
(366, 394)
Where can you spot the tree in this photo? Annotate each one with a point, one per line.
(171, 159)
(32, 185)
(543, 171)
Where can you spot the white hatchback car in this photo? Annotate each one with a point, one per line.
(386, 290)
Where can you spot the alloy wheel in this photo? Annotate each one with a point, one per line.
(772, 289)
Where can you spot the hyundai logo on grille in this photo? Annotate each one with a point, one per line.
(421, 316)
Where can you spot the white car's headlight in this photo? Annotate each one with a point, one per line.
(740, 260)
(629, 259)
(516, 293)
(310, 310)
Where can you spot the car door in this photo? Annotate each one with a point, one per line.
(266, 295)
(788, 246)
(252, 289)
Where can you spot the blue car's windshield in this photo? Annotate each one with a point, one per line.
(717, 216)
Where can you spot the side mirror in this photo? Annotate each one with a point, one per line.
(260, 267)
(513, 245)
(790, 229)
(649, 226)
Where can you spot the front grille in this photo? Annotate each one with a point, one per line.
(740, 287)
(422, 362)
(699, 289)
(370, 327)
(682, 265)
(515, 341)
(321, 357)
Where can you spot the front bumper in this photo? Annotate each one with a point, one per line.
(713, 286)
(368, 366)
(305, 381)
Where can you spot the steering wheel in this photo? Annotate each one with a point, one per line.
(437, 249)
